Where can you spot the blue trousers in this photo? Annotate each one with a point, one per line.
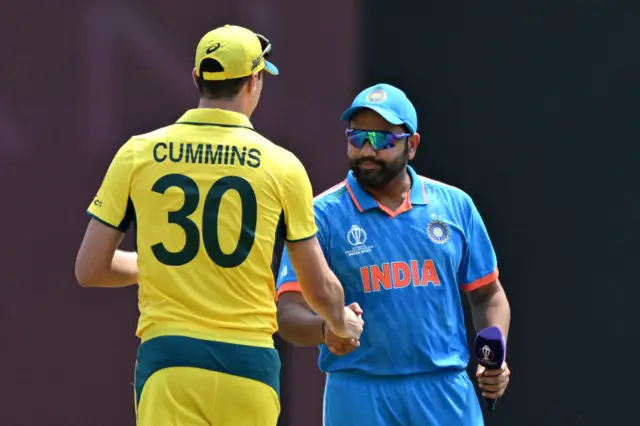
(436, 399)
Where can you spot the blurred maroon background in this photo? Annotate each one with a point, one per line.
(79, 78)
(529, 107)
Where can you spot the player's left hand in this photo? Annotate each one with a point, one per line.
(337, 345)
(493, 382)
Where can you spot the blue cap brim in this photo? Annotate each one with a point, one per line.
(385, 113)
(270, 68)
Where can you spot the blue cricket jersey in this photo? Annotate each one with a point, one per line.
(405, 269)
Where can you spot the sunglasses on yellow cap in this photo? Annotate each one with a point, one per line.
(266, 51)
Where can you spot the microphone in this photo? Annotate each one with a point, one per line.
(490, 351)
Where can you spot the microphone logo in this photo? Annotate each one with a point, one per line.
(487, 355)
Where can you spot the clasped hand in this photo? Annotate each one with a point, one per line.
(338, 345)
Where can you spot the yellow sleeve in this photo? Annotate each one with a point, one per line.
(112, 205)
(297, 203)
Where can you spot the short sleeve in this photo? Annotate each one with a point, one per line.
(479, 264)
(287, 279)
(298, 203)
(112, 205)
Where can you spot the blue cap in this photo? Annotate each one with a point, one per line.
(388, 101)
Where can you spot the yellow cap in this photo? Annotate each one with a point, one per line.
(237, 49)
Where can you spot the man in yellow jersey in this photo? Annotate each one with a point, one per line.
(209, 196)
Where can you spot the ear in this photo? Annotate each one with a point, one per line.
(194, 77)
(253, 82)
(414, 141)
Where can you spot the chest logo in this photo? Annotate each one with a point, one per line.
(357, 237)
(438, 231)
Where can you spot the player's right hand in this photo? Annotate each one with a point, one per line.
(338, 345)
(353, 324)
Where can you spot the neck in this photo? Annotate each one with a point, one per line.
(235, 105)
(394, 190)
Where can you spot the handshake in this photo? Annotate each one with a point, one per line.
(343, 338)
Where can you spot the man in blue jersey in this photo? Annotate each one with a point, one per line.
(402, 245)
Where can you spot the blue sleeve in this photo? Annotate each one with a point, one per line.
(287, 279)
(479, 265)
(286, 273)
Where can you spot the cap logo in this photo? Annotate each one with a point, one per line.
(213, 48)
(377, 95)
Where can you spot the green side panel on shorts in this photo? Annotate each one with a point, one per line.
(251, 362)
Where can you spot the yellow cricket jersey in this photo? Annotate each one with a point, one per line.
(209, 196)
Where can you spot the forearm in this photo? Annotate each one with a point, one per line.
(327, 299)
(124, 268)
(299, 326)
(320, 287)
(492, 310)
(122, 272)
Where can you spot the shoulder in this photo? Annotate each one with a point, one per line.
(126, 152)
(441, 188)
(331, 201)
(139, 142)
(287, 157)
(449, 195)
(135, 147)
(153, 135)
(281, 161)
(444, 192)
(266, 145)
(331, 196)
(329, 208)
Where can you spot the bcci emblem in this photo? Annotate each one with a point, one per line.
(377, 96)
(356, 236)
(438, 231)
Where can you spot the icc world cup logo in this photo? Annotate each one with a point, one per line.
(356, 236)
(487, 355)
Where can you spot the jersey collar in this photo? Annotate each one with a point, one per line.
(364, 201)
(214, 117)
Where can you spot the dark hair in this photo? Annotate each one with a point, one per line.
(218, 89)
